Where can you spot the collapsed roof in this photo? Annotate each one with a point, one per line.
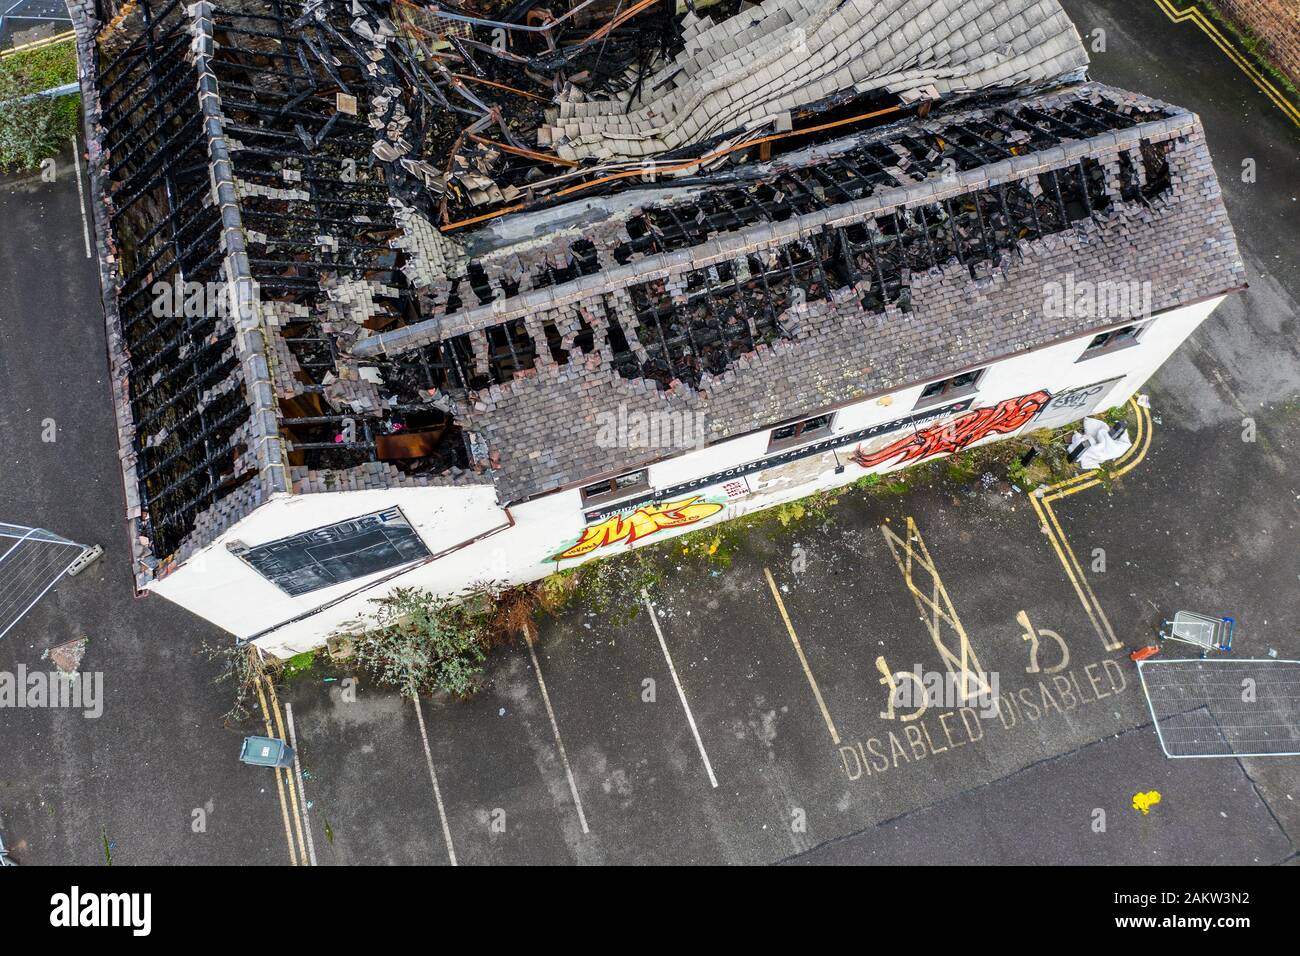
(444, 237)
(749, 70)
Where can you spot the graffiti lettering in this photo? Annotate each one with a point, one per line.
(782, 458)
(1079, 398)
(999, 419)
(641, 523)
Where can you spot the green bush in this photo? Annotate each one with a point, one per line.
(33, 128)
(417, 643)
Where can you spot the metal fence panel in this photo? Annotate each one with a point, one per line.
(1224, 707)
(32, 560)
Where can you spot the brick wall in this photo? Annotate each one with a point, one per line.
(1277, 23)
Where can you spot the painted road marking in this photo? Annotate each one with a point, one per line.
(1042, 499)
(1222, 42)
(288, 777)
(1089, 478)
(1130, 459)
(302, 790)
(1109, 640)
(690, 718)
(1016, 710)
(81, 194)
(37, 44)
(1032, 635)
(437, 793)
(887, 677)
(1068, 562)
(279, 783)
(798, 649)
(555, 728)
(936, 609)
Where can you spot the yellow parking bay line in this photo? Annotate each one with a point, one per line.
(1124, 464)
(1090, 477)
(279, 783)
(1047, 526)
(37, 44)
(1051, 525)
(935, 609)
(798, 649)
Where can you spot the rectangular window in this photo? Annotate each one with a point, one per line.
(612, 489)
(959, 385)
(336, 553)
(798, 433)
(1112, 340)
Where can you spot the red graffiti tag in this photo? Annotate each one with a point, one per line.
(953, 436)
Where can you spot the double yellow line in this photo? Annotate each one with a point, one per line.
(298, 853)
(1042, 501)
(1207, 27)
(37, 44)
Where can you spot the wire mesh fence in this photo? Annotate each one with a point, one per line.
(32, 560)
(1224, 707)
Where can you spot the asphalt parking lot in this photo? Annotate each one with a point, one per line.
(742, 716)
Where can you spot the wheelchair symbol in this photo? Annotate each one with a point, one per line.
(1032, 635)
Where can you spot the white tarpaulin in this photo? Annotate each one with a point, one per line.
(1101, 447)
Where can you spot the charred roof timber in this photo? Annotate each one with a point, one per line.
(356, 244)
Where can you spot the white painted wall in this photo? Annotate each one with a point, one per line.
(222, 588)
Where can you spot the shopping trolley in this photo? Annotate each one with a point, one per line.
(1188, 627)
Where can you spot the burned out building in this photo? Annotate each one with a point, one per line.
(404, 294)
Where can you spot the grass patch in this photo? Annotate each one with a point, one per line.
(298, 665)
(608, 586)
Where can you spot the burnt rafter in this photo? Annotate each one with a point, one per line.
(316, 211)
(685, 329)
(350, 240)
(167, 232)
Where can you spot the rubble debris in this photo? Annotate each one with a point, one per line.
(67, 656)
